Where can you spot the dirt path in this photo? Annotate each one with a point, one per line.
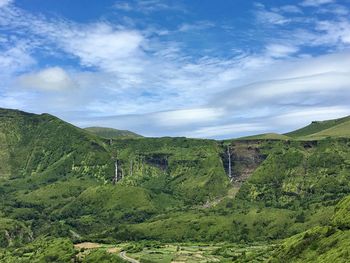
(125, 257)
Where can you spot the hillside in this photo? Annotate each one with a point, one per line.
(317, 127)
(340, 130)
(266, 136)
(328, 243)
(45, 146)
(110, 133)
(57, 188)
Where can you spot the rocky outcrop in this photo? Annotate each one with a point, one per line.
(240, 159)
(159, 160)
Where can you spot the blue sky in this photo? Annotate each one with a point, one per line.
(199, 68)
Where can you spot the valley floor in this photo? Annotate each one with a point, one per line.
(179, 252)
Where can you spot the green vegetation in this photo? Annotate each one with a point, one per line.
(282, 202)
(318, 129)
(101, 256)
(58, 250)
(110, 133)
(266, 136)
(322, 243)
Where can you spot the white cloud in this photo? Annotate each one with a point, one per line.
(279, 51)
(303, 81)
(123, 6)
(228, 129)
(50, 79)
(335, 31)
(302, 116)
(104, 47)
(289, 9)
(4, 3)
(188, 116)
(15, 58)
(145, 6)
(201, 25)
(316, 2)
(11, 102)
(265, 16)
(336, 9)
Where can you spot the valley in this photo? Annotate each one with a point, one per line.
(263, 198)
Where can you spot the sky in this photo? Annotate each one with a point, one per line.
(195, 68)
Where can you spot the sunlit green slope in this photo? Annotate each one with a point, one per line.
(111, 133)
(318, 129)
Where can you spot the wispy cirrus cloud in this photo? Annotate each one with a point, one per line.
(146, 6)
(199, 25)
(315, 3)
(270, 17)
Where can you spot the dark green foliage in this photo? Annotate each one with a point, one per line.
(41, 251)
(13, 233)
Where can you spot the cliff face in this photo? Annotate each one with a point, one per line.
(240, 159)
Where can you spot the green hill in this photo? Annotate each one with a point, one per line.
(340, 130)
(45, 146)
(111, 133)
(266, 136)
(318, 126)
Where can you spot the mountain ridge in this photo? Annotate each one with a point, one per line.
(316, 127)
(111, 133)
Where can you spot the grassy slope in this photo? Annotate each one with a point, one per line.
(266, 136)
(340, 130)
(316, 126)
(322, 244)
(45, 145)
(111, 133)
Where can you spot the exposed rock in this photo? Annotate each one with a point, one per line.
(159, 160)
(245, 158)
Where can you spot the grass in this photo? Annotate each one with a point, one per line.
(340, 130)
(110, 133)
(316, 127)
(266, 136)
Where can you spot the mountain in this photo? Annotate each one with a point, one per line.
(322, 129)
(43, 145)
(266, 198)
(111, 133)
